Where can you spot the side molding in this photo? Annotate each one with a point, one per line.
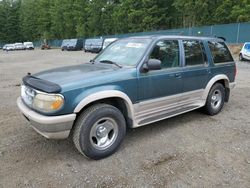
(103, 95)
(211, 83)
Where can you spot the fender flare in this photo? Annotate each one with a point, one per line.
(211, 83)
(103, 95)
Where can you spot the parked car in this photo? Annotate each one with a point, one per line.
(133, 82)
(93, 45)
(75, 44)
(29, 45)
(245, 52)
(9, 47)
(65, 43)
(72, 44)
(19, 46)
(108, 41)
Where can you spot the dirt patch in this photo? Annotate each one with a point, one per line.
(235, 49)
(157, 161)
(12, 85)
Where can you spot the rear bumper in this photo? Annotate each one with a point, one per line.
(52, 127)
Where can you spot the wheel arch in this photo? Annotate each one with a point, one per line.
(221, 78)
(114, 97)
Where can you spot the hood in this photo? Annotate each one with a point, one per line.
(83, 75)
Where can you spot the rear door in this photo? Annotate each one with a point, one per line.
(195, 71)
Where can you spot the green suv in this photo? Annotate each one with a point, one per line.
(133, 82)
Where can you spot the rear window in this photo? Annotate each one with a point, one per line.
(220, 52)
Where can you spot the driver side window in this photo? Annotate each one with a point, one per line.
(167, 51)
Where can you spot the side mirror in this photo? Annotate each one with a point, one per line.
(152, 64)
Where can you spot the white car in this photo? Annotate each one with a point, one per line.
(245, 52)
(9, 47)
(108, 41)
(28, 45)
(19, 46)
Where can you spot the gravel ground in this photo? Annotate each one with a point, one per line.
(190, 150)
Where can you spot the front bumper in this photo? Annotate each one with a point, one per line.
(52, 127)
(246, 56)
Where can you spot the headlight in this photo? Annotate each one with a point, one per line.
(48, 102)
(44, 102)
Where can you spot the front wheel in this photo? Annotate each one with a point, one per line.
(215, 100)
(99, 131)
(241, 57)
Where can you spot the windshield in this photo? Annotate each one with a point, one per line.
(64, 42)
(247, 47)
(93, 42)
(72, 41)
(125, 52)
(28, 43)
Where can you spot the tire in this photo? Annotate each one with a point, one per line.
(241, 57)
(100, 122)
(215, 100)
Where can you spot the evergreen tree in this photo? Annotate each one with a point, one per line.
(58, 19)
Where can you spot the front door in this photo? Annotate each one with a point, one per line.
(160, 89)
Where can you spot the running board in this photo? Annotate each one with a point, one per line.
(166, 114)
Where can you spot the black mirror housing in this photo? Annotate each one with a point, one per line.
(152, 64)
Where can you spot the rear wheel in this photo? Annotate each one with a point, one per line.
(215, 100)
(99, 131)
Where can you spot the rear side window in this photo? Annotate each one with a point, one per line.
(220, 52)
(194, 52)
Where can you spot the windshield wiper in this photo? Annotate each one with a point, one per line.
(110, 62)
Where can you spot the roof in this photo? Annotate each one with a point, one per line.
(178, 37)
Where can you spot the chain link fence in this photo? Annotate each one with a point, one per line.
(233, 33)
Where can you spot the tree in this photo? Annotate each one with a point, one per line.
(29, 20)
(59, 19)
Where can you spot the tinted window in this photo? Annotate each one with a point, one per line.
(194, 52)
(168, 52)
(220, 52)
